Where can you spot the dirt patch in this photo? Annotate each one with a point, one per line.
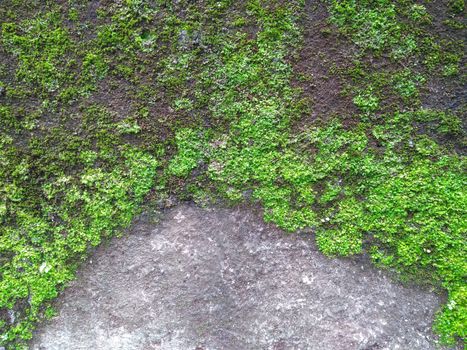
(447, 92)
(323, 52)
(222, 279)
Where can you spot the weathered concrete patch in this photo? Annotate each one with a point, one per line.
(222, 279)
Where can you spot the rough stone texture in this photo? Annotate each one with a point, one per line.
(222, 279)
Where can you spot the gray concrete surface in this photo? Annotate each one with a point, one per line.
(222, 279)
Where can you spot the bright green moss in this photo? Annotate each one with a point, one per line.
(190, 152)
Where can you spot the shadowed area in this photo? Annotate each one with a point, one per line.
(222, 279)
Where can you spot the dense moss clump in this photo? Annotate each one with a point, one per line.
(106, 108)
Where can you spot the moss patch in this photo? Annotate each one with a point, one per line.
(104, 108)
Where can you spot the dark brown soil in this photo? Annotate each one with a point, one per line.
(324, 52)
(448, 93)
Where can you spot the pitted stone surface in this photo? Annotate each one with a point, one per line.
(222, 279)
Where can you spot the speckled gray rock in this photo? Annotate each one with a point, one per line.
(222, 279)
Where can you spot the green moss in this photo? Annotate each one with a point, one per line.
(203, 108)
(40, 45)
(366, 101)
(419, 222)
(342, 234)
(457, 6)
(190, 152)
